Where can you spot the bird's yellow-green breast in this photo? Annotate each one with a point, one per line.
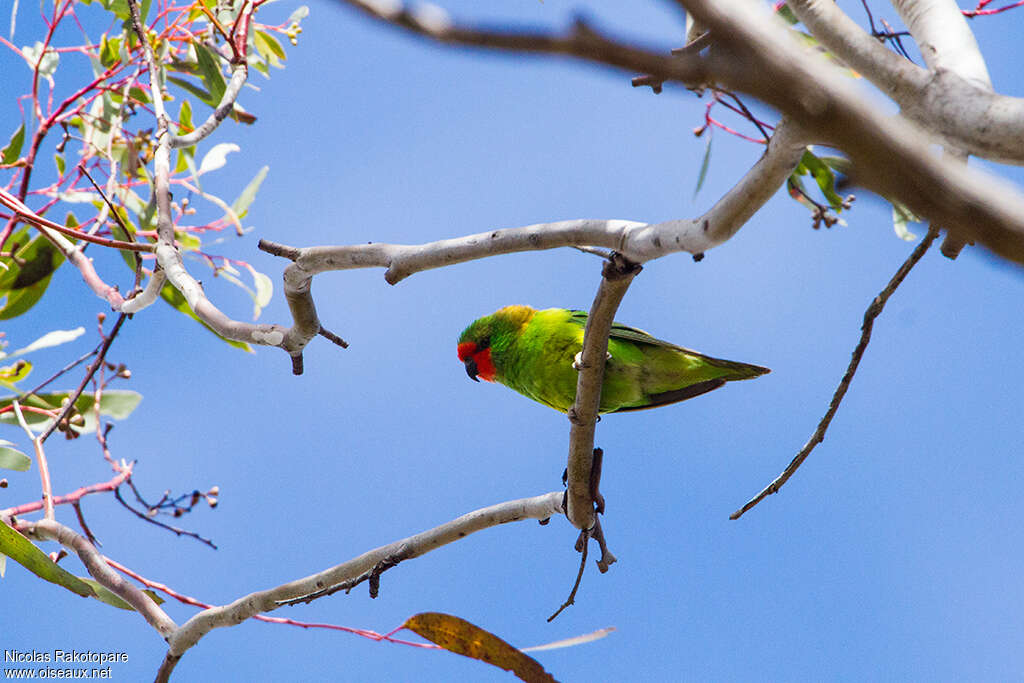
(533, 351)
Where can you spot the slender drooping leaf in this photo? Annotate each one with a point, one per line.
(25, 553)
(824, 177)
(241, 205)
(48, 340)
(104, 594)
(12, 458)
(10, 153)
(463, 638)
(705, 162)
(901, 215)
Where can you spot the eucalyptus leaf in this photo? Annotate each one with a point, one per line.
(104, 594)
(217, 156)
(704, 164)
(51, 339)
(25, 553)
(901, 215)
(10, 153)
(13, 459)
(241, 205)
(12, 374)
(117, 404)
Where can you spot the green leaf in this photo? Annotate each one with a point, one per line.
(178, 302)
(203, 95)
(13, 459)
(901, 215)
(25, 277)
(703, 174)
(209, 71)
(838, 164)
(185, 118)
(12, 374)
(10, 153)
(138, 94)
(824, 177)
(20, 301)
(25, 553)
(787, 14)
(117, 404)
(241, 205)
(268, 48)
(110, 50)
(119, 233)
(104, 594)
(58, 159)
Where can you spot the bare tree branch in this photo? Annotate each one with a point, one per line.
(638, 242)
(167, 254)
(239, 74)
(962, 109)
(872, 312)
(755, 53)
(540, 507)
(616, 276)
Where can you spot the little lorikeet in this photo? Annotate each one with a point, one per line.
(533, 352)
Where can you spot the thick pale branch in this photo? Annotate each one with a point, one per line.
(638, 242)
(615, 280)
(239, 74)
(581, 41)
(167, 254)
(539, 507)
(954, 99)
(945, 40)
(754, 52)
(947, 45)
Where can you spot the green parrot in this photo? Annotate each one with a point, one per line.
(536, 352)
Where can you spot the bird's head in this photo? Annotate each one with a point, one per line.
(475, 351)
(483, 346)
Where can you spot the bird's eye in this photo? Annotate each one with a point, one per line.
(485, 343)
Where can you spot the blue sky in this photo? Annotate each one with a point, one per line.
(892, 554)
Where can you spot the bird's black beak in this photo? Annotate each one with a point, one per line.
(471, 369)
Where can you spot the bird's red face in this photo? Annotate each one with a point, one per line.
(477, 358)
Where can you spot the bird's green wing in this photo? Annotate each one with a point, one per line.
(626, 333)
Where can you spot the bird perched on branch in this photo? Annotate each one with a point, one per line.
(537, 354)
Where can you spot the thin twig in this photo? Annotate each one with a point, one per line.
(70, 366)
(173, 529)
(108, 340)
(870, 314)
(44, 469)
(571, 600)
